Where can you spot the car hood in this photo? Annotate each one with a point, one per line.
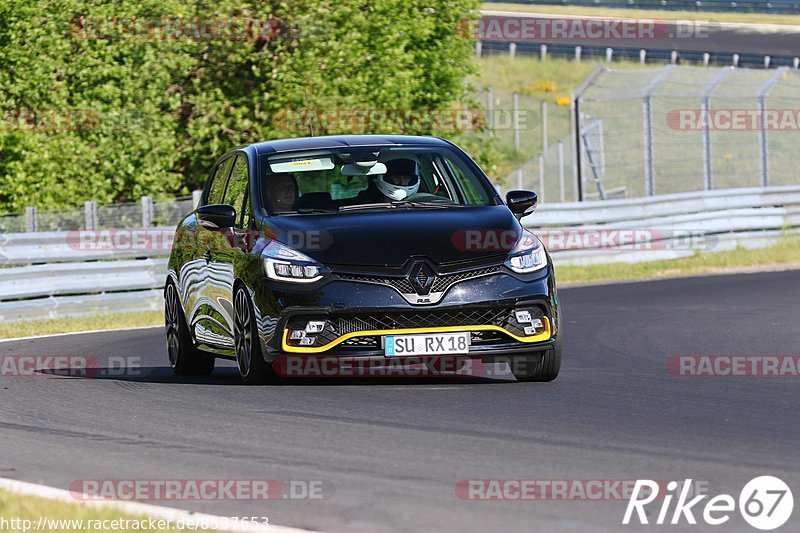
(388, 238)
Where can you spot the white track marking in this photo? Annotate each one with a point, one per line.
(136, 508)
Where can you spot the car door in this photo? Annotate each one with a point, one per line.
(230, 246)
(207, 296)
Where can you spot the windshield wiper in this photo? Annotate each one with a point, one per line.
(412, 203)
(306, 211)
(355, 207)
(394, 205)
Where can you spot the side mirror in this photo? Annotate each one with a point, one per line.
(216, 216)
(521, 203)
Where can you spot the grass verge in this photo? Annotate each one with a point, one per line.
(22, 513)
(10, 330)
(650, 14)
(786, 253)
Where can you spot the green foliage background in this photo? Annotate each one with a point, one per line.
(149, 116)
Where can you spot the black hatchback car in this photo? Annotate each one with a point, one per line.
(360, 248)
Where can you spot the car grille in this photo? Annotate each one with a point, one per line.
(441, 284)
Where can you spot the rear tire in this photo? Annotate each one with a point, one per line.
(545, 369)
(252, 367)
(184, 358)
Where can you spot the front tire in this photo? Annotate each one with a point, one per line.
(252, 367)
(545, 369)
(184, 358)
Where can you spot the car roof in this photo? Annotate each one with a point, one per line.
(343, 141)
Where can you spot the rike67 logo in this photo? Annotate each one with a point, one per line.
(765, 502)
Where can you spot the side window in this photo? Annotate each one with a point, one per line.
(217, 188)
(237, 185)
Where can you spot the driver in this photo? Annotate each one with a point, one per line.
(400, 181)
(282, 192)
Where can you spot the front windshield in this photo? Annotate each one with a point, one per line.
(365, 178)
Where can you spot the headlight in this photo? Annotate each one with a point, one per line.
(282, 263)
(528, 254)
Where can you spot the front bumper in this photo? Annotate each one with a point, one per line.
(358, 315)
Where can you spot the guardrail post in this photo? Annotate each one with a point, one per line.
(796, 63)
(90, 215)
(543, 52)
(196, 197)
(31, 220)
(673, 57)
(642, 55)
(515, 119)
(478, 48)
(147, 211)
(706, 58)
(735, 60)
(578, 50)
(609, 54)
(512, 49)
(519, 178)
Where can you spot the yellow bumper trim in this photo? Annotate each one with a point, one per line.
(545, 335)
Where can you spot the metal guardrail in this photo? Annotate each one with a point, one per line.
(668, 226)
(62, 280)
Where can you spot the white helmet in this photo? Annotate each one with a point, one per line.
(401, 179)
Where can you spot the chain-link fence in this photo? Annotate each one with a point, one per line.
(681, 129)
(145, 213)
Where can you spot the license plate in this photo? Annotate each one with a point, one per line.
(426, 344)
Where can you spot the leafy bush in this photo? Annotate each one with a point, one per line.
(98, 104)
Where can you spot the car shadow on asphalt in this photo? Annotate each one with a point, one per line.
(227, 376)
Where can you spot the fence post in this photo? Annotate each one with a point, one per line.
(575, 126)
(561, 192)
(490, 109)
(647, 116)
(31, 220)
(705, 117)
(147, 212)
(90, 215)
(544, 127)
(515, 119)
(762, 127)
(541, 177)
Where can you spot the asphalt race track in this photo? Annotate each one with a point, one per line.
(390, 453)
